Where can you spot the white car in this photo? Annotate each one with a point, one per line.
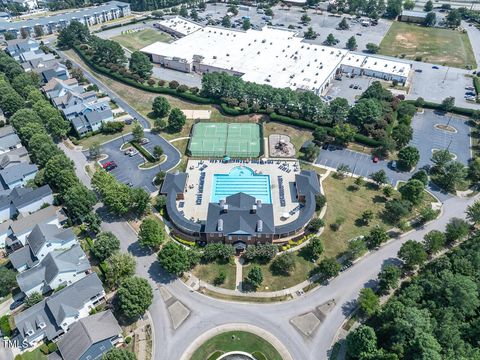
(133, 153)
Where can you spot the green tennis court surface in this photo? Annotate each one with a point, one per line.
(222, 139)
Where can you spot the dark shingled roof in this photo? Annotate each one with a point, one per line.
(174, 182)
(87, 332)
(239, 218)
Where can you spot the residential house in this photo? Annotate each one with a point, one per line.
(36, 64)
(43, 239)
(91, 121)
(23, 201)
(18, 175)
(74, 104)
(9, 140)
(54, 315)
(58, 88)
(35, 55)
(13, 233)
(90, 337)
(16, 47)
(16, 156)
(57, 70)
(29, 4)
(58, 268)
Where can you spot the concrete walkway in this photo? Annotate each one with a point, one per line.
(238, 273)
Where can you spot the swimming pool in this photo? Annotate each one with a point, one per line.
(241, 179)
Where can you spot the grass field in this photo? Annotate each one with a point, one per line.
(208, 273)
(86, 142)
(32, 355)
(139, 39)
(235, 341)
(438, 46)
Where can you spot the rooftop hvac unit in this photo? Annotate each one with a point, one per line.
(222, 202)
(259, 225)
(225, 208)
(254, 209)
(259, 204)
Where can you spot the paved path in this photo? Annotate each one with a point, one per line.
(5, 307)
(238, 273)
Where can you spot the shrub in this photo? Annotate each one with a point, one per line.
(128, 340)
(112, 127)
(44, 349)
(173, 84)
(52, 347)
(5, 326)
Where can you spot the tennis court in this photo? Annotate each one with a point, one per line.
(222, 139)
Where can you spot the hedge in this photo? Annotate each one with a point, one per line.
(434, 106)
(143, 151)
(5, 326)
(295, 122)
(365, 140)
(476, 84)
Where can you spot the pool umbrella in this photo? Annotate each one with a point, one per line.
(226, 158)
(285, 215)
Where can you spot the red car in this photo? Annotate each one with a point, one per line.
(110, 165)
(375, 159)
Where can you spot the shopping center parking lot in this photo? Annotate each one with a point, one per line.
(128, 171)
(426, 138)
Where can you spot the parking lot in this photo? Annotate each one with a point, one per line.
(341, 88)
(128, 171)
(425, 137)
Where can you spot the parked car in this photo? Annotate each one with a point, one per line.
(16, 304)
(392, 165)
(128, 151)
(109, 165)
(375, 159)
(128, 121)
(133, 153)
(418, 70)
(435, 67)
(144, 141)
(470, 93)
(469, 88)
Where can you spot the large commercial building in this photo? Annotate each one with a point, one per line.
(273, 56)
(54, 23)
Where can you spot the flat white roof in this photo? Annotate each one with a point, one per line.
(180, 25)
(354, 60)
(386, 66)
(267, 56)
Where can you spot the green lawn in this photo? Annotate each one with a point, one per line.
(32, 355)
(139, 39)
(235, 341)
(86, 142)
(208, 272)
(273, 282)
(433, 45)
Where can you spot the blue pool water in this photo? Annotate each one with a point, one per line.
(241, 179)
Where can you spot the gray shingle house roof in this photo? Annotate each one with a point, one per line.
(88, 332)
(23, 256)
(240, 214)
(16, 173)
(20, 197)
(45, 318)
(72, 260)
(43, 233)
(15, 156)
(42, 216)
(8, 138)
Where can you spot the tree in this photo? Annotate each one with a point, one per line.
(261, 252)
(366, 111)
(408, 158)
(194, 14)
(343, 25)
(95, 150)
(413, 191)
(59, 173)
(454, 174)
(393, 9)
(412, 254)
(315, 225)
(379, 177)
(269, 12)
(105, 245)
(283, 264)
(107, 52)
(331, 40)
(367, 216)
(329, 267)
(226, 21)
(368, 302)
(351, 43)
(428, 6)
(160, 107)
(79, 201)
(305, 19)
(255, 277)
(473, 212)
(440, 159)
(422, 176)
(473, 169)
(150, 234)
(377, 236)
(11, 102)
(74, 32)
(434, 241)
(448, 103)
(119, 267)
(56, 125)
(338, 110)
(320, 201)
(310, 34)
(176, 120)
(408, 4)
(137, 133)
(118, 354)
(246, 24)
(157, 152)
(140, 64)
(217, 251)
(372, 48)
(356, 248)
(313, 249)
(361, 343)
(402, 134)
(430, 19)
(344, 133)
(388, 278)
(159, 177)
(8, 281)
(396, 210)
(456, 229)
(134, 297)
(33, 299)
(453, 18)
(176, 259)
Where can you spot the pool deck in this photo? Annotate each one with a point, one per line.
(199, 212)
